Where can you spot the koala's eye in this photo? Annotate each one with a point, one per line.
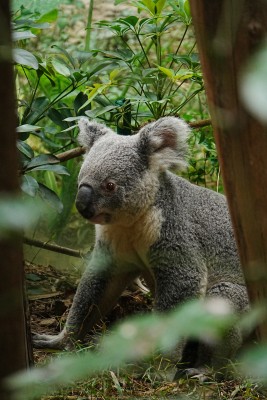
(110, 187)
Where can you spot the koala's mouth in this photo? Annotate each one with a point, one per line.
(101, 219)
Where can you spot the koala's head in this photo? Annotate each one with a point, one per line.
(119, 178)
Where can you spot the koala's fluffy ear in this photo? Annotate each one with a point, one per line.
(90, 132)
(165, 142)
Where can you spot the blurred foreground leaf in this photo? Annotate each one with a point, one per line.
(254, 362)
(17, 213)
(130, 341)
(253, 85)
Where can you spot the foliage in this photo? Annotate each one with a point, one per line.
(203, 166)
(129, 342)
(153, 76)
(17, 214)
(143, 76)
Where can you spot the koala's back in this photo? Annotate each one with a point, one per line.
(196, 224)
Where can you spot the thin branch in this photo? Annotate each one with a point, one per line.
(53, 247)
(72, 153)
(200, 124)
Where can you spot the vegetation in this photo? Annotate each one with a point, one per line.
(146, 67)
(140, 74)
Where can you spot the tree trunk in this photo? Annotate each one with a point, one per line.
(228, 33)
(13, 347)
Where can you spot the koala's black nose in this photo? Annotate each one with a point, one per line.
(84, 201)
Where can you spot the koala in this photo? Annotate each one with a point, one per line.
(152, 223)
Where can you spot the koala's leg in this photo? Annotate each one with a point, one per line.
(97, 294)
(188, 359)
(172, 291)
(217, 357)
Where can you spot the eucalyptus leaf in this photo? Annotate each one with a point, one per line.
(254, 362)
(70, 128)
(57, 118)
(17, 214)
(29, 185)
(50, 16)
(50, 198)
(131, 20)
(61, 67)
(38, 106)
(43, 159)
(66, 53)
(58, 169)
(27, 128)
(96, 112)
(24, 57)
(25, 149)
(79, 100)
(16, 35)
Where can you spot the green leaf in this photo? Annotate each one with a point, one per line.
(61, 67)
(150, 5)
(254, 362)
(160, 5)
(36, 6)
(17, 214)
(50, 198)
(79, 101)
(42, 159)
(70, 128)
(184, 11)
(98, 67)
(96, 112)
(58, 169)
(29, 185)
(24, 57)
(95, 90)
(131, 20)
(33, 277)
(167, 71)
(57, 118)
(184, 74)
(25, 149)
(63, 51)
(37, 108)
(121, 54)
(27, 128)
(22, 35)
(50, 16)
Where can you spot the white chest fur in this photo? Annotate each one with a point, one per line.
(131, 243)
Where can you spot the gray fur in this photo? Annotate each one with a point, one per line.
(152, 223)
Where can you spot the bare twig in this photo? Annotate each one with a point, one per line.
(67, 155)
(53, 247)
(200, 124)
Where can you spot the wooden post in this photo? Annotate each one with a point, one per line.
(228, 33)
(13, 346)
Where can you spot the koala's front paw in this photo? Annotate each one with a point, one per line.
(201, 374)
(61, 341)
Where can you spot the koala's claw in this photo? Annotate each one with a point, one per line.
(201, 374)
(56, 342)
